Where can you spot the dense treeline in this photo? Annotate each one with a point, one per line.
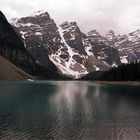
(125, 72)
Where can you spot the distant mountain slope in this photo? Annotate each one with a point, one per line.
(8, 71)
(100, 47)
(128, 45)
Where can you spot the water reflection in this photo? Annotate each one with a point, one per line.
(99, 109)
(69, 111)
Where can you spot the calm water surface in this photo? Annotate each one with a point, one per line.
(69, 111)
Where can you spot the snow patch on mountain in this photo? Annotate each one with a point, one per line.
(68, 67)
(124, 59)
(114, 65)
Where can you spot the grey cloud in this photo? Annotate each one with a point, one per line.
(120, 15)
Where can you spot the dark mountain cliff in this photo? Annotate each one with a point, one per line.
(12, 47)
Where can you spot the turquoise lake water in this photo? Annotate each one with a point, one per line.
(69, 110)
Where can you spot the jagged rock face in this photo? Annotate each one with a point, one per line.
(12, 47)
(73, 36)
(39, 32)
(63, 45)
(46, 42)
(128, 46)
(94, 37)
(111, 37)
(99, 46)
(75, 64)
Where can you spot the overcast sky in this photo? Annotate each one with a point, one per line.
(122, 16)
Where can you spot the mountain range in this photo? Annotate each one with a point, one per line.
(41, 46)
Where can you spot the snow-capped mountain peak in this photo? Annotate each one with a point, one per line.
(93, 33)
(39, 13)
(137, 32)
(127, 45)
(134, 36)
(13, 21)
(110, 32)
(110, 36)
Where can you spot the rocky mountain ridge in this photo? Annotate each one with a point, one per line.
(66, 46)
(128, 45)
